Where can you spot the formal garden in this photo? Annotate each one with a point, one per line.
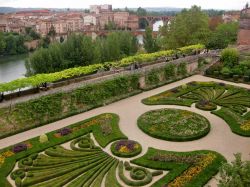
(95, 152)
(71, 156)
(229, 102)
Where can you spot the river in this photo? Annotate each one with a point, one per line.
(12, 67)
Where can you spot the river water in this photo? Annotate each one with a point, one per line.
(12, 67)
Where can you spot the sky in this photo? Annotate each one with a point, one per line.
(205, 4)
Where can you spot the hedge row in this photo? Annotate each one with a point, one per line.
(37, 80)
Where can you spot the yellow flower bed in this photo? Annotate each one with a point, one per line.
(154, 98)
(4, 155)
(7, 154)
(2, 159)
(192, 171)
(245, 126)
(124, 149)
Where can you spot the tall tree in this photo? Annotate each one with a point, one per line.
(225, 34)
(150, 43)
(187, 28)
(2, 44)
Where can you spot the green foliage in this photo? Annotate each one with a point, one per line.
(43, 138)
(54, 58)
(50, 108)
(177, 163)
(150, 43)
(174, 125)
(153, 77)
(225, 34)
(236, 173)
(182, 69)
(12, 44)
(63, 159)
(132, 149)
(233, 101)
(80, 50)
(230, 57)
(187, 28)
(169, 71)
(226, 71)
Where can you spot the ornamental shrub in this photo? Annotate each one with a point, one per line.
(182, 69)
(169, 70)
(226, 71)
(230, 57)
(236, 173)
(43, 138)
(237, 71)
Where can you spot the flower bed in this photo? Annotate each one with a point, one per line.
(126, 148)
(206, 105)
(193, 168)
(233, 102)
(174, 125)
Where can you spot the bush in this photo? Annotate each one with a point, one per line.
(43, 138)
(237, 71)
(230, 57)
(182, 69)
(235, 174)
(246, 78)
(235, 77)
(153, 77)
(169, 70)
(226, 71)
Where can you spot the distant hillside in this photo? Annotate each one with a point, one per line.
(5, 10)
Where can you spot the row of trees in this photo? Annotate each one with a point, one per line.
(80, 50)
(193, 26)
(12, 44)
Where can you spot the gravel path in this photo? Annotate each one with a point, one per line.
(220, 138)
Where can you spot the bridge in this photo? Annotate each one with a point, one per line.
(105, 33)
(152, 19)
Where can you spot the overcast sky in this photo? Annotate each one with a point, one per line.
(205, 4)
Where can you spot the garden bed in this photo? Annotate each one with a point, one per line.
(234, 100)
(174, 124)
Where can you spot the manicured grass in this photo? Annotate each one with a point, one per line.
(174, 124)
(126, 148)
(194, 168)
(207, 96)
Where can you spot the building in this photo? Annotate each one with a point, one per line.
(97, 9)
(229, 17)
(244, 31)
(133, 22)
(105, 18)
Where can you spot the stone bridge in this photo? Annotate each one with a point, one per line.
(152, 19)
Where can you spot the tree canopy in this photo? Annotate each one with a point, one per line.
(187, 28)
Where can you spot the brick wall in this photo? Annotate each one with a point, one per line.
(244, 37)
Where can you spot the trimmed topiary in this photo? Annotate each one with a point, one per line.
(43, 138)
